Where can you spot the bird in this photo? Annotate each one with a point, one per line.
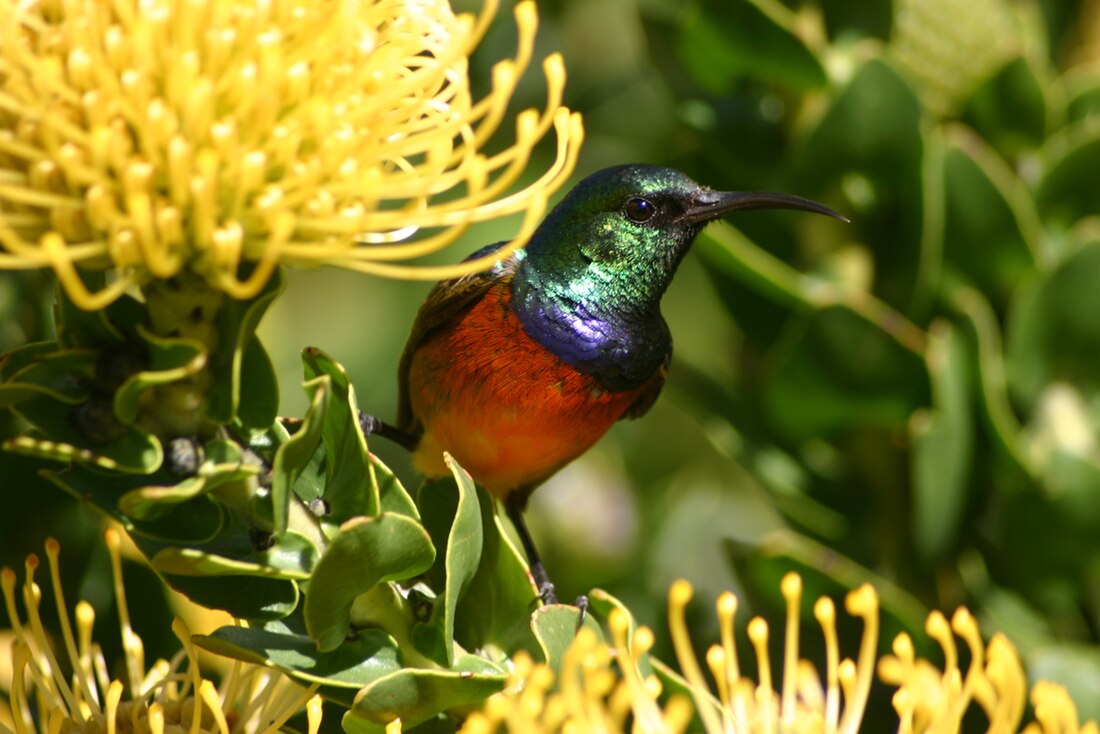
(518, 370)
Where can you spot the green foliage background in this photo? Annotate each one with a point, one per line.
(911, 399)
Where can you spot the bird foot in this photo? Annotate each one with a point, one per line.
(547, 593)
(581, 603)
(368, 423)
(376, 427)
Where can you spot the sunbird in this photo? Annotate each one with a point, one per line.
(518, 370)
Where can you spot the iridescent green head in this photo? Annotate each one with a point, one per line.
(592, 277)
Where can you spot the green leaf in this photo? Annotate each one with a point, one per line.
(291, 556)
(52, 390)
(947, 57)
(192, 522)
(943, 442)
(97, 329)
(394, 496)
(259, 401)
(457, 561)
(242, 372)
(991, 229)
(368, 551)
(369, 656)
(873, 123)
(730, 40)
(154, 500)
(170, 359)
(349, 486)
(824, 571)
(1048, 567)
(1065, 193)
(1010, 109)
(981, 322)
(40, 371)
(555, 628)
(835, 370)
(13, 361)
(1072, 482)
(296, 452)
(416, 695)
(135, 452)
(246, 597)
(868, 144)
(1083, 92)
(1052, 334)
(741, 262)
(495, 611)
(223, 464)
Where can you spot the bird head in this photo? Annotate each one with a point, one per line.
(621, 232)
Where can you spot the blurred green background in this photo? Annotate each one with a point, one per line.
(912, 399)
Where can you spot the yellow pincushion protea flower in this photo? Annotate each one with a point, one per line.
(931, 700)
(222, 137)
(600, 687)
(170, 697)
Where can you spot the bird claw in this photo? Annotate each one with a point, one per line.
(547, 593)
(368, 423)
(547, 596)
(372, 426)
(581, 603)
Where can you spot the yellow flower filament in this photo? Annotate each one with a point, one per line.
(825, 614)
(931, 701)
(149, 137)
(791, 586)
(152, 701)
(802, 702)
(856, 677)
(601, 687)
(679, 595)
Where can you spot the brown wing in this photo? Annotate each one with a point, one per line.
(444, 303)
(649, 392)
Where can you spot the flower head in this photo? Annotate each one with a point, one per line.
(932, 700)
(170, 696)
(600, 686)
(222, 137)
(803, 702)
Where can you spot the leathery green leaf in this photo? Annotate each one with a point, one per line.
(461, 557)
(367, 551)
(291, 556)
(246, 597)
(416, 695)
(245, 386)
(496, 608)
(725, 42)
(370, 655)
(350, 488)
(170, 359)
(555, 626)
(296, 452)
(1052, 334)
(943, 437)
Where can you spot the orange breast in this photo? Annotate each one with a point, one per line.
(510, 412)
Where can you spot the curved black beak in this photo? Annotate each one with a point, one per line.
(709, 205)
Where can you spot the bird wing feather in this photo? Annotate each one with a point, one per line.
(444, 302)
(647, 396)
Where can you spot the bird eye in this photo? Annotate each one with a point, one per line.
(639, 210)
